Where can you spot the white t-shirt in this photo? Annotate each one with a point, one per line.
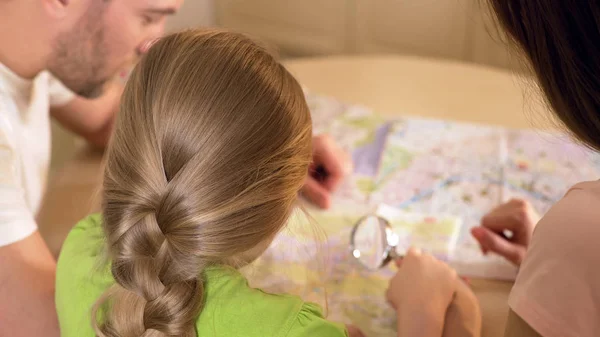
(24, 148)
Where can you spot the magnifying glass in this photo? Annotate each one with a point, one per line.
(373, 242)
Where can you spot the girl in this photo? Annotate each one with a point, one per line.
(210, 149)
(557, 291)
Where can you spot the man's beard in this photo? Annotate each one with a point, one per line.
(79, 57)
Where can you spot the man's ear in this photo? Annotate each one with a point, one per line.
(56, 8)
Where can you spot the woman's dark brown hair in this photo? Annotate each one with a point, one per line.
(561, 40)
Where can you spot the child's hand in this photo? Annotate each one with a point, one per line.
(421, 292)
(463, 318)
(516, 216)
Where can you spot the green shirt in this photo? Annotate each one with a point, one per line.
(232, 307)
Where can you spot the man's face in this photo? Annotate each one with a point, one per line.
(110, 35)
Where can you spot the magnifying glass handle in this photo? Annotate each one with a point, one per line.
(393, 254)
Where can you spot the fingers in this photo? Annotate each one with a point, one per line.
(512, 215)
(498, 222)
(416, 259)
(478, 233)
(316, 193)
(335, 161)
(421, 278)
(412, 251)
(494, 242)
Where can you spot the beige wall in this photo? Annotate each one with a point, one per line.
(455, 29)
(193, 13)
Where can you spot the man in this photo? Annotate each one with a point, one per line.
(83, 43)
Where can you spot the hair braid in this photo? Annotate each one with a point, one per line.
(153, 274)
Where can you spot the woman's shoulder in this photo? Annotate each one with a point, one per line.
(557, 285)
(575, 217)
(233, 308)
(592, 187)
(569, 229)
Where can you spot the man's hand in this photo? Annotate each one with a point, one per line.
(330, 165)
(516, 217)
(27, 272)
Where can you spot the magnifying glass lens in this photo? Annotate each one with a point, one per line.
(370, 241)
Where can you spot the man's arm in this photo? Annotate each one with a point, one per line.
(26, 266)
(27, 272)
(91, 118)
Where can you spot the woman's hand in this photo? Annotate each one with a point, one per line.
(517, 217)
(421, 292)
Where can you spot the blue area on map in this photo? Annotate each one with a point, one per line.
(367, 158)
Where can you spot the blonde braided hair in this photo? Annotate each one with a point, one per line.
(210, 148)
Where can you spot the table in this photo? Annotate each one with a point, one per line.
(391, 85)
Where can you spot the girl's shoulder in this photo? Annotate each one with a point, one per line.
(81, 277)
(84, 245)
(233, 308)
